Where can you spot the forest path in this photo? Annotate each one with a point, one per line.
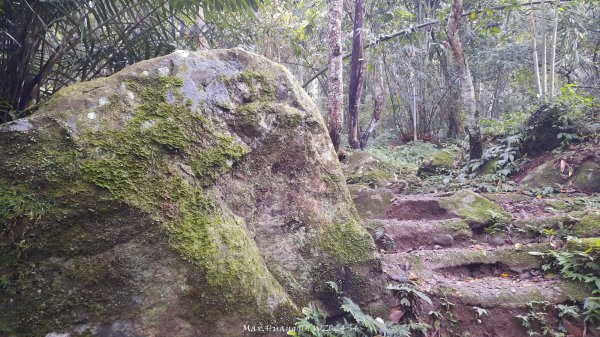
(465, 268)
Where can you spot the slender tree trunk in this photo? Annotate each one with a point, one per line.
(334, 85)
(357, 75)
(414, 115)
(201, 26)
(536, 64)
(451, 106)
(496, 95)
(466, 81)
(545, 52)
(553, 56)
(377, 107)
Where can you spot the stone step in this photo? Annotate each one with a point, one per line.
(395, 235)
(425, 262)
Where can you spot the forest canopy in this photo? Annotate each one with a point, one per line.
(519, 54)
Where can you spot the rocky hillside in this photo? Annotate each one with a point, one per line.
(484, 259)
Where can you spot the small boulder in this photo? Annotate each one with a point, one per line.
(362, 168)
(444, 240)
(372, 203)
(544, 175)
(587, 177)
(475, 209)
(440, 162)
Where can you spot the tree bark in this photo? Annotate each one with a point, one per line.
(536, 64)
(451, 105)
(377, 107)
(357, 75)
(466, 81)
(334, 82)
(553, 55)
(545, 52)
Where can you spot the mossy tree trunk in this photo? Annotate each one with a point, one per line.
(334, 83)
(466, 81)
(357, 74)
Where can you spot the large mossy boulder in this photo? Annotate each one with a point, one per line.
(542, 129)
(478, 211)
(195, 194)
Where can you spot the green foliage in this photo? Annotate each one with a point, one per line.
(82, 40)
(355, 323)
(406, 158)
(501, 158)
(508, 124)
(408, 294)
(582, 266)
(580, 106)
(536, 322)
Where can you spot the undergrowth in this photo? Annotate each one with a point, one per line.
(356, 323)
(579, 262)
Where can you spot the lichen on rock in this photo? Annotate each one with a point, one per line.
(195, 192)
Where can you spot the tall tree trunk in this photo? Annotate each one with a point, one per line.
(377, 107)
(466, 81)
(553, 55)
(357, 75)
(545, 52)
(414, 113)
(536, 64)
(451, 105)
(334, 83)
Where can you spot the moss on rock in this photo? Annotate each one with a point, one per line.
(118, 209)
(475, 209)
(440, 162)
(348, 243)
(588, 226)
(372, 203)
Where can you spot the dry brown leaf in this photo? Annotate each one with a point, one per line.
(572, 329)
(563, 165)
(396, 314)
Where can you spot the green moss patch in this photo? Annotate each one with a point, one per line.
(588, 226)
(475, 209)
(349, 243)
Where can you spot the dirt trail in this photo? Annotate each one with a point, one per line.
(463, 268)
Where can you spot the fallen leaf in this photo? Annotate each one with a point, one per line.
(563, 165)
(572, 329)
(396, 314)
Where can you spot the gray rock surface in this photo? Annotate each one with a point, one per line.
(187, 195)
